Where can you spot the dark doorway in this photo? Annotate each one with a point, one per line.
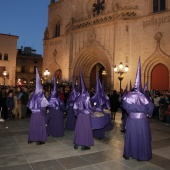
(98, 69)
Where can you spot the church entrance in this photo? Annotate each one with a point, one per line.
(160, 77)
(98, 70)
(93, 61)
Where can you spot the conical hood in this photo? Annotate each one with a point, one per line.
(38, 87)
(83, 87)
(54, 92)
(145, 87)
(138, 84)
(37, 99)
(125, 91)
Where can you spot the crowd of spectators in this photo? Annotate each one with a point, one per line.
(13, 101)
(161, 100)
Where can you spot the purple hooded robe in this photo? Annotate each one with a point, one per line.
(82, 107)
(37, 104)
(138, 135)
(71, 118)
(55, 125)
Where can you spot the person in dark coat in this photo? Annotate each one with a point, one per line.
(71, 118)
(83, 131)
(10, 105)
(55, 125)
(37, 104)
(124, 113)
(114, 103)
(138, 135)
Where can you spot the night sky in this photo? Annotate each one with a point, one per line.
(26, 19)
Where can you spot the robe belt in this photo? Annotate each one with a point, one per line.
(137, 115)
(35, 110)
(55, 108)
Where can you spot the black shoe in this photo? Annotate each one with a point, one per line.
(127, 158)
(40, 143)
(29, 142)
(138, 160)
(85, 148)
(123, 131)
(75, 147)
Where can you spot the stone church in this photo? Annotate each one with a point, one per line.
(96, 35)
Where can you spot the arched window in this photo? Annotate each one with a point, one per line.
(5, 56)
(159, 5)
(0, 56)
(57, 29)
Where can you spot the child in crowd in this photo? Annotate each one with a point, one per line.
(10, 105)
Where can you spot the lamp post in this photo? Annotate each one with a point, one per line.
(121, 70)
(5, 75)
(46, 75)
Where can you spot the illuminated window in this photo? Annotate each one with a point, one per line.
(159, 5)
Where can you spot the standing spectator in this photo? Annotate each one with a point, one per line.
(19, 104)
(15, 110)
(24, 101)
(156, 104)
(2, 104)
(168, 114)
(124, 113)
(61, 94)
(162, 107)
(114, 103)
(138, 135)
(10, 105)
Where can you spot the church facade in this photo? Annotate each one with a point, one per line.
(96, 35)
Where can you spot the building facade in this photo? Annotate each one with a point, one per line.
(96, 35)
(26, 63)
(8, 53)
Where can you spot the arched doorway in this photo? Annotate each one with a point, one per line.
(97, 70)
(160, 77)
(87, 60)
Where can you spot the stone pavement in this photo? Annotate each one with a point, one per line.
(59, 154)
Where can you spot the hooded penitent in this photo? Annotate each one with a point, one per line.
(98, 98)
(74, 93)
(37, 100)
(106, 98)
(54, 99)
(136, 96)
(83, 99)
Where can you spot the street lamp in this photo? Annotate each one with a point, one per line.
(46, 73)
(121, 70)
(5, 73)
